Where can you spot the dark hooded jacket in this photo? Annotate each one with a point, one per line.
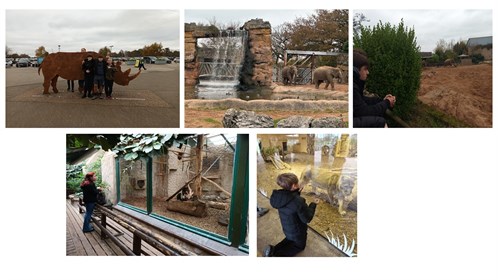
(363, 105)
(90, 66)
(89, 192)
(294, 213)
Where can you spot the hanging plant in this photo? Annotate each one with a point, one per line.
(134, 146)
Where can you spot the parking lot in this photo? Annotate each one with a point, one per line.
(151, 100)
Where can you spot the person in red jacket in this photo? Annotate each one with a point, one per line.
(294, 214)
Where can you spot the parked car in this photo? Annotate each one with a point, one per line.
(8, 62)
(150, 59)
(34, 62)
(176, 60)
(23, 62)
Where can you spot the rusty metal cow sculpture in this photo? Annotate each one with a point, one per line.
(67, 65)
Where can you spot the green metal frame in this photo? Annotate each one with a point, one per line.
(237, 228)
(148, 190)
(118, 181)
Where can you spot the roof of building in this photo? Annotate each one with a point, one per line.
(425, 54)
(482, 41)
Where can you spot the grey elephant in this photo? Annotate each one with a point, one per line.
(327, 74)
(289, 74)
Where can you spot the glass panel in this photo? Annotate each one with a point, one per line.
(133, 182)
(176, 193)
(325, 165)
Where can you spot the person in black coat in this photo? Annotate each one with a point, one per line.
(88, 67)
(294, 214)
(90, 192)
(367, 111)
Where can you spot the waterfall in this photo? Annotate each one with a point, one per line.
(228, 55)
(221, 59)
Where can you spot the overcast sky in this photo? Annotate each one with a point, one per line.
(275, 17)
(432, 25)
(26, 30)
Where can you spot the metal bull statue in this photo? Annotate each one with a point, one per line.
(341, 189)
(67, 65)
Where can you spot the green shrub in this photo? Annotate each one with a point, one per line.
(74, 177)
(97, 168)
(476, 58)
(395, 63)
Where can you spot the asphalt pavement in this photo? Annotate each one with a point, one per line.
(151, 100)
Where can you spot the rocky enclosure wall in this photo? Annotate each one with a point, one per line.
(257, 67)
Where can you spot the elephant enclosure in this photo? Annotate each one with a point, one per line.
(463, 92)
(209, 113)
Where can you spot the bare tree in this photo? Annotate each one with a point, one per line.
(280, 40)
(358, 20)
(8, 51)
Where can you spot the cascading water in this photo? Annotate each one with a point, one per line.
(221, 64)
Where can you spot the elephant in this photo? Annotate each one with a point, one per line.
(289, 74)
(327, 74)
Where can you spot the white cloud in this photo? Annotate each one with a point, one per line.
(432, 25)
(26, 30)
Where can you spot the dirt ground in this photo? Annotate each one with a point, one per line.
(279, 87)
(213, 118)
(464, 92)
(209, 223)
(151, 100)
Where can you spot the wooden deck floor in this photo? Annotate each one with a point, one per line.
(90, 244)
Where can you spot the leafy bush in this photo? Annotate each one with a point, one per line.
(395, 63)
(74, 177)
(97, 168)
(134, 146)
(476, 58)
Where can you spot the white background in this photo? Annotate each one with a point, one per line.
(427, 197)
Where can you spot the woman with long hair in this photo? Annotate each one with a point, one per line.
(90, 192)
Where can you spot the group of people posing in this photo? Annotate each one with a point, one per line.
(99, 73)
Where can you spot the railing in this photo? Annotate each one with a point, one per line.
(140, 234)
(303, 75)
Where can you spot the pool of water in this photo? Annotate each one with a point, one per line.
(223, 89)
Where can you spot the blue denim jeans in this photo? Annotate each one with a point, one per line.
(88, 215)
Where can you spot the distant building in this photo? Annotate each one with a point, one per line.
(425, 55)
(481, 45)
